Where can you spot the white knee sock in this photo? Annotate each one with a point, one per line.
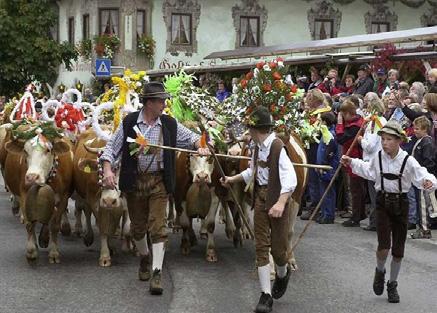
(142, 247)
(395, 268)
(281, 271)
(158, 255)
(264, 278)
(380, 264)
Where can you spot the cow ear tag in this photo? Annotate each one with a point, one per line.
(87, 169)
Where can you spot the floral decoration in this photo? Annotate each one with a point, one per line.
(106, 45)
(146, 45)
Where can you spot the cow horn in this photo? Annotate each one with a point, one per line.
(96, 115)
(92, 149)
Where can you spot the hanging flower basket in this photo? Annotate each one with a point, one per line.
(106, 45)
(146, 45)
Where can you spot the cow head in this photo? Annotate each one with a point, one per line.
(201, 167)
(40, 159)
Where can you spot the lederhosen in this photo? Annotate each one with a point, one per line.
(392, 213)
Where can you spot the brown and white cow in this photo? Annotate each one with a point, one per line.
(107, 205)
(27, 168)
(194, 198)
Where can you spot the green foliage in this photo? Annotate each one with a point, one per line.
(26, 129)
(146, 45)
(27, 50)
(84, 48)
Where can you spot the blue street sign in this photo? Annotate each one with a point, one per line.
(103, 67)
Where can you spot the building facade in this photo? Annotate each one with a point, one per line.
(185, 31)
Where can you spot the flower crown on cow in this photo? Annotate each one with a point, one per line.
(42, 134)
(269, 85)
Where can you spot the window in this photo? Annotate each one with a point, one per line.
(380, 27)
(141, 23)
(323, 29)
(109, 21)
(86, 26)
(181, 29)
(324, 20)
(249, 31)
(71, 30)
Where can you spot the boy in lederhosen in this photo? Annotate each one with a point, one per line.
(393, 171)
(274, 180)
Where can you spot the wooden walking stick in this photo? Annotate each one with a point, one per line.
(234, 196)
(316, 210)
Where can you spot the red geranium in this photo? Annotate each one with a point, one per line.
(272, 64)
(293, 88)
(276, 76)
(243, 83)
(267, 87)
(249, 75)
(260, 65)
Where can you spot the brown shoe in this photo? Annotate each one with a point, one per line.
(155, 283)
(144, 272)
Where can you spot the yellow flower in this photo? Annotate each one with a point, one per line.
(142, 73)
(127, 72)
(134, 77)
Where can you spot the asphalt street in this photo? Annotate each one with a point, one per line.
(336, 266)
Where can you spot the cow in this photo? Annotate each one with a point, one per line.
(41, 176)
(106, 205)
(194, 197)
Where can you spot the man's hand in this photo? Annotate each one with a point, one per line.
(427, 184)
(345, 160)
(359, 139)
(203, 151)
(276, 210)
(109, 178)
(226, 181)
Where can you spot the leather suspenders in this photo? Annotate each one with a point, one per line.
(391, 176)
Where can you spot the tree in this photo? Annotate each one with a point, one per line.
(28, 51)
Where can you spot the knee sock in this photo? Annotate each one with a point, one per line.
(142, 247)
(380, 264)
(158, 255)
(264, 278)
(395, 268)
(281, 271)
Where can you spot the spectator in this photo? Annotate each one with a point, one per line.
(348, 125)
(424, 152)
(327, 154)
(315, 105)
(331, 84)
(88, 96)
(430, 104)
(432, 80)
(316, 79)
(404, 85)
(221, 93)
(419, 89)
(364, 83)
(381, 82)
(371, 143)
(349, 84)
(393, 79)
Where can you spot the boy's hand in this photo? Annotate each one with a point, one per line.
(345, 160)
(427, 184)
(226, 181)
(276, 210)
(359, 139)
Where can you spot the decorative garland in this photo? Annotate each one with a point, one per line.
(45, 129)
(25, 108)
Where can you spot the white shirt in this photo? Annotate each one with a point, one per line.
(371, 142)
(413, 172)
(287, 175)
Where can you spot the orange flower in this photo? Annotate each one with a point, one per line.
(276, 75)
(278, 84)
(293, 89)
(249, 75)
(267, 87)
(203, 140)
(279, 60)
(272, 107)
(141, 140)
(243, 83)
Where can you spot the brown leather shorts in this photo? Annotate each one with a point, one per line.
(392, 222)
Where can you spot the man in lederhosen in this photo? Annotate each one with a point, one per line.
(147, 178)
(274, 180)
(393, 172)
